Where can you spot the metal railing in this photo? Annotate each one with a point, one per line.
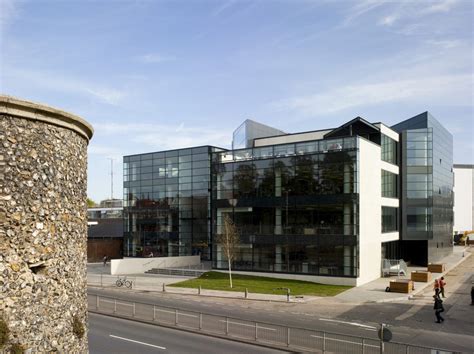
(294, 338)
(394, 266)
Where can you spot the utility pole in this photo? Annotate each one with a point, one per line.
(111, 178)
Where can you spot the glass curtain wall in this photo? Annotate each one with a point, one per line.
(167, 204)
(418, 183)
(295, 205)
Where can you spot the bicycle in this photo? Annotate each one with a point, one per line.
(123, 281)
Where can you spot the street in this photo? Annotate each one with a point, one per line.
(114, 335)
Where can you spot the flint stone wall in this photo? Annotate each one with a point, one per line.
(43, 226)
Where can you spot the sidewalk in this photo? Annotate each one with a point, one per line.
(375, 290)
(98, 275)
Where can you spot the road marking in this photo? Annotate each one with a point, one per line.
(173, 312)
(345, 341)
(118, 302)
(349, 323)
(253, 326)
(135, 341)
(410, 312)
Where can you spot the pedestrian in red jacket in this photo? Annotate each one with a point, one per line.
(442, 283)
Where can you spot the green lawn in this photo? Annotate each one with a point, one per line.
(262, 285)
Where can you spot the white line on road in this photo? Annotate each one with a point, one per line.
(345, 341)
(135, 341)
(349, 323)
(413, 310)
(253, 326)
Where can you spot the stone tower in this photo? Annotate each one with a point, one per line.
(43, 228)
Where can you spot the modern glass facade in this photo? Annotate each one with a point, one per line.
(298, 206)
(249, 130)
(167, 207)
(295, 205)
(427, 185)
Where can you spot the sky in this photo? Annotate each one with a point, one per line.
(157, 75)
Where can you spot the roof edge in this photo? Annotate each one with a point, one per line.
(13, 106)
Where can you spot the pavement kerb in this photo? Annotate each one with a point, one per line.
(196, 295)
(419, 289)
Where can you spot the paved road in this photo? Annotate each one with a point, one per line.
(113, 335)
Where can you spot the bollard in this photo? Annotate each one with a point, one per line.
(199, 290)
(164, 287)
(288, 295)
(246, 293)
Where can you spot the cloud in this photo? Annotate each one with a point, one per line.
(445, 88)
(221, 8)
(162, 137)
(8, 12)
(154, 58)
(441, 6)
(411, 15)
(104, 151)
(388, 20)
(62, 83)
(360, 9)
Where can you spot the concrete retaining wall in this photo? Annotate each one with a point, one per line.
(141, 265)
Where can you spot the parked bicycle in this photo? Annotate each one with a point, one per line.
(123, 281)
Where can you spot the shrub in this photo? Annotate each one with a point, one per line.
(4, 331)
(77, 327)
(17, 348)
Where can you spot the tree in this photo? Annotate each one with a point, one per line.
(90, 203)
(229, 241)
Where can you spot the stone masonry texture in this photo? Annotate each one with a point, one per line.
(43, 227)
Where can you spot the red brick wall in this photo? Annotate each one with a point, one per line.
(96, 248)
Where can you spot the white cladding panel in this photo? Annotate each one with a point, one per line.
(370, 211)
(387, 131)
(463, 199)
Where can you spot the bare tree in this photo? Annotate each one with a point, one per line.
(229, 240)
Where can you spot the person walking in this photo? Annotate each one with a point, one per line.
(436, 287)
(105, 259)
(442, 283)
(438, 307)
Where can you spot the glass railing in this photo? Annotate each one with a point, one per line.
(286, 150)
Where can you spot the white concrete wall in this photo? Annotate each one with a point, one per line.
(141, 265)
(311, 278)
(387, 131)
(390, 167)
(389, 236)
(370, 211)
(463, 199)
(291, 138)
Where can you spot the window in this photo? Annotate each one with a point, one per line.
(389, 219)
(389, 185)
(389, 150)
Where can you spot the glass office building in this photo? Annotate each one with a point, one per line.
(327, 204)
(167, 206)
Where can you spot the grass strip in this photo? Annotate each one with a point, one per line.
(260, 285)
